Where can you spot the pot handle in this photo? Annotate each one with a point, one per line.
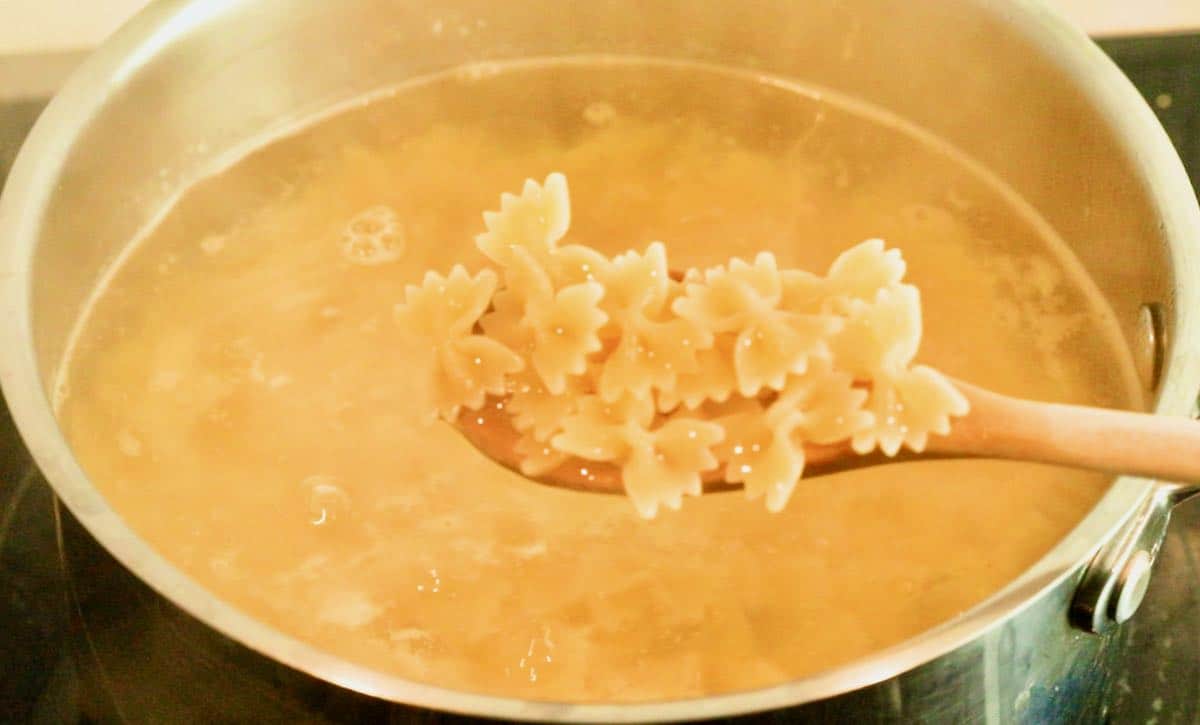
(1115, 582)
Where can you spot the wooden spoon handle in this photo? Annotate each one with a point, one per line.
(998, 426)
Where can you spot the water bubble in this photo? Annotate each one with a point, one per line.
(434, 585)
(599, 113)
(165, 380)
(212, 244)
(326, 501)
(373, 236)
(537, 654)
(256, 368)
(128, 443)
(349, 609)
(530, 551)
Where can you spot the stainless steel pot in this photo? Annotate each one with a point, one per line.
(1007, 81)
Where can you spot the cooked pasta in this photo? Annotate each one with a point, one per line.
(737, 366)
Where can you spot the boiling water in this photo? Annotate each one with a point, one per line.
(241, 394)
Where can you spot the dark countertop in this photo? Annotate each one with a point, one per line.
(1159, 683)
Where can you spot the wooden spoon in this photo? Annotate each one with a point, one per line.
(997, 426)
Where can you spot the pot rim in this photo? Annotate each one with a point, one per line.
(30, 187)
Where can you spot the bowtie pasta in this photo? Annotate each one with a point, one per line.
(617, 361)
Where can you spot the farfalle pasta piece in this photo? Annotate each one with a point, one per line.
(772, 343)
(565, 333)
(659, 466)
(775, 346)
(598, 429)
(863, 270)
(533, 221)
(728, 298)
(447, 306)
(763, 454)
(444, 311)
(803, 291)
(535, 410)
(504, 322)
(538, 457)
(831, 407)
(714, 378)
(765, 447)
(575, 263)
(665, 464)
(558, 329)
(858, 273)
(651, 355)
(907, 407)
(638, 284)
(646, 353)
(879, 336)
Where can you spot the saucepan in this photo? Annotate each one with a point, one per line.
(1007, 81)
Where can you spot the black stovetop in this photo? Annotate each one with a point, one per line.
(1159, 681)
